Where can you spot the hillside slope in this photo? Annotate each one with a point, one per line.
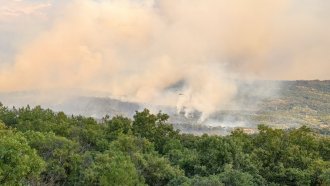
(284, 104)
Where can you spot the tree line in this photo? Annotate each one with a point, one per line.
(42, 147)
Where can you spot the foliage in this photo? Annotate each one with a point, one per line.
(19, 163)
(109, 168)
(41, 147)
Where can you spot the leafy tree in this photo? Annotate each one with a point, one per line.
(154, 128)
(59, 154)
(325, 177)
(110, 169)
(19, 163)
(154, 169)
(233, 177)
(41, 147)
(9, 117)
(116, 126)
(212, 180)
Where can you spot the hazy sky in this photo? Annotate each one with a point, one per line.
(137, 49)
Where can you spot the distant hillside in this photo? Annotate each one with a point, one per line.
(297, 103)
(300, 103)
(284, 104)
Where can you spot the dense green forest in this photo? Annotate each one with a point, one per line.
(42, 147)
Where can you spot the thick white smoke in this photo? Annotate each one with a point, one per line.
(136, 49)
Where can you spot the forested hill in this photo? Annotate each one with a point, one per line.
(279, 104)
(42, 147)
(295, 104)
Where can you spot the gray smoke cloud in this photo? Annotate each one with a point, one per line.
(134, 50)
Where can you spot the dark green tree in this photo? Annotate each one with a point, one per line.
(19, 163)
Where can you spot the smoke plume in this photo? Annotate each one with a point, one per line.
(139, 50)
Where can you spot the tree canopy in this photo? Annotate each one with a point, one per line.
(42, 147)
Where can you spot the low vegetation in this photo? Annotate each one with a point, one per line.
(41, 147)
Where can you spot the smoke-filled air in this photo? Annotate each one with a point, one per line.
(188, 54)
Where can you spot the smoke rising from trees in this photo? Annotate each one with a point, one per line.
(136, 49)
